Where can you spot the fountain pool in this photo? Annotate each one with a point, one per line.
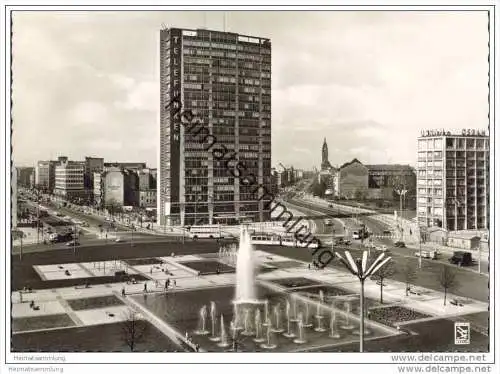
(282, 315)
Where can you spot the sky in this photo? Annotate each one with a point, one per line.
(86, 83)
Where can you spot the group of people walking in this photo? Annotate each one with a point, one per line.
(167, 284)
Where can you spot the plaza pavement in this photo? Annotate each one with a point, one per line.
(55, 301)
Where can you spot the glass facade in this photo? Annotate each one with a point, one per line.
(455, 170)
(224, 80)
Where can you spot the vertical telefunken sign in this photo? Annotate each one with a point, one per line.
(175, 120)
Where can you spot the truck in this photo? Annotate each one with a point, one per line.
(461, 258)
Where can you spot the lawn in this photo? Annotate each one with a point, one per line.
(94, 302)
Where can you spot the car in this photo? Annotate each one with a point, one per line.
(461, 258)
(387, 232)
(72, 243)
(118, 240)
(432, 255)
(382, 248)
(400, 244)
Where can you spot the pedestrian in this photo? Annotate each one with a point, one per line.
(145, 286)
(123, 291)
(175, 283)
(166, 284)
(151, 270)
(309, 266)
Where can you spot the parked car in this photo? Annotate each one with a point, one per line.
(72, 243)
(118, 240)
(382, 248)
(461, 258)
(400, 244)
(387, 232)
(431, 255)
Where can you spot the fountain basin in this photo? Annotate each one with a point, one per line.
(181, 311)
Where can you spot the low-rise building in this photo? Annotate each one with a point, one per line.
(353, 180)
(25, 176)
(69, 179)
(116, 187)
(92, 165)
(385, 179)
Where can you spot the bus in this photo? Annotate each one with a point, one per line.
(205, 232)
(284, 241)
(265, 239)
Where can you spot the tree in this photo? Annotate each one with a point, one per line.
(359, 195)
(410, 274)
(133, 329)
(447, 279)
(386, 271)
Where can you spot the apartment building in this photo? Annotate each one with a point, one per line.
(453, 179)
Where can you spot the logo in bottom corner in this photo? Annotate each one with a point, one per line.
(462, 333)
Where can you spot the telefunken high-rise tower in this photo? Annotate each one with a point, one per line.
(225, 80)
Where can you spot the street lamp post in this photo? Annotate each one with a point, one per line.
(360, 269)
(419, 247)
(401, 192)
(74, 239)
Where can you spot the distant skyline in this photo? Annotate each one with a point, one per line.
(86, 83)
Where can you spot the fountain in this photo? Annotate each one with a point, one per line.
(306, 322)
(223, 337)
(213, 316)
(258, 328)
(236, 318)
(266, 311)
(259, 321)
(248, 328)
(319, 317)
(333, 326)
(268, 344)
(203, 318)
(245, 277)
(289, 333)
(294, 308)
(347, 324)
(300, 331)
(277, 318)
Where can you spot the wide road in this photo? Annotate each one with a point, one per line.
(469, 283)
(86, 241)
